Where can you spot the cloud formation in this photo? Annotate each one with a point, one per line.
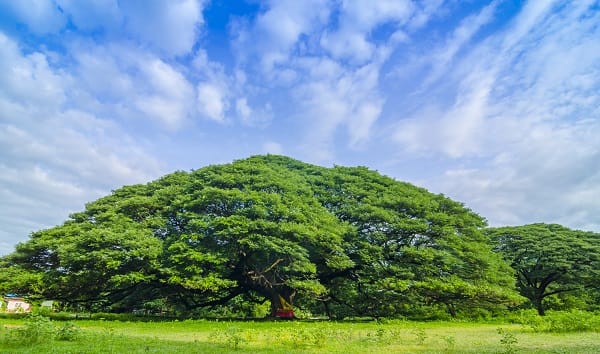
(325, 54)
(526, 103)
(54, 157)
(493, 104)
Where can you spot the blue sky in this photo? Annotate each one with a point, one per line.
(493, 103)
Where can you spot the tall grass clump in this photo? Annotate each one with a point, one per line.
(304, 337)
(232, 337)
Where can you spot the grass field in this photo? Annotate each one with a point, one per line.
(287, 337)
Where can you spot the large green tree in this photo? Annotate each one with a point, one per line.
(549, 259)
(410, 248)
(269, 227)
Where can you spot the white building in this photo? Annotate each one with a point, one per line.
(16, 304)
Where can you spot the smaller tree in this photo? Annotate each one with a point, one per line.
(549, 259)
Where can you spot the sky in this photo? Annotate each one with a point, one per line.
(495, 104)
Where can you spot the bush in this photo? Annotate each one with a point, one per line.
(68, 332)
(508, 341)
(37, 329)
(572, 321)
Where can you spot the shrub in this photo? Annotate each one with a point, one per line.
(508, 341)
(572, 321)
(37, 329)
(68, 332)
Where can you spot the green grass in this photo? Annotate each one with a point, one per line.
(297, 337)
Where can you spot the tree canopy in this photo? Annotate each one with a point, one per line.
(549, 259)
(341, 240)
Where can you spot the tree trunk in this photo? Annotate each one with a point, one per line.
(277, 305)
(538, 303)
(327, 310)
(451, 310)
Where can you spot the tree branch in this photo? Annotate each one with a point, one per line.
(235, 292)
(558, 292)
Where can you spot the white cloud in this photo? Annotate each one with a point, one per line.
(91, 15)
(274, 34)
(329, 55)
(242, 109)
(348, 44)
(289, 39)
(212, 101)
(103, 74)
(333, 96)
(60, 143)
(442, 58)
(40, 16)
(170, 96)
(356, 20)
(426, 10)
(54, 157)
(529, 17)
(366, 15)
(117, 81)
(543, 178)
(170, 26)
(456, 131)
(21, 76)
(218, 94)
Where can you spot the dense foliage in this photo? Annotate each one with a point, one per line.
(341, 241)
(550, 260)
